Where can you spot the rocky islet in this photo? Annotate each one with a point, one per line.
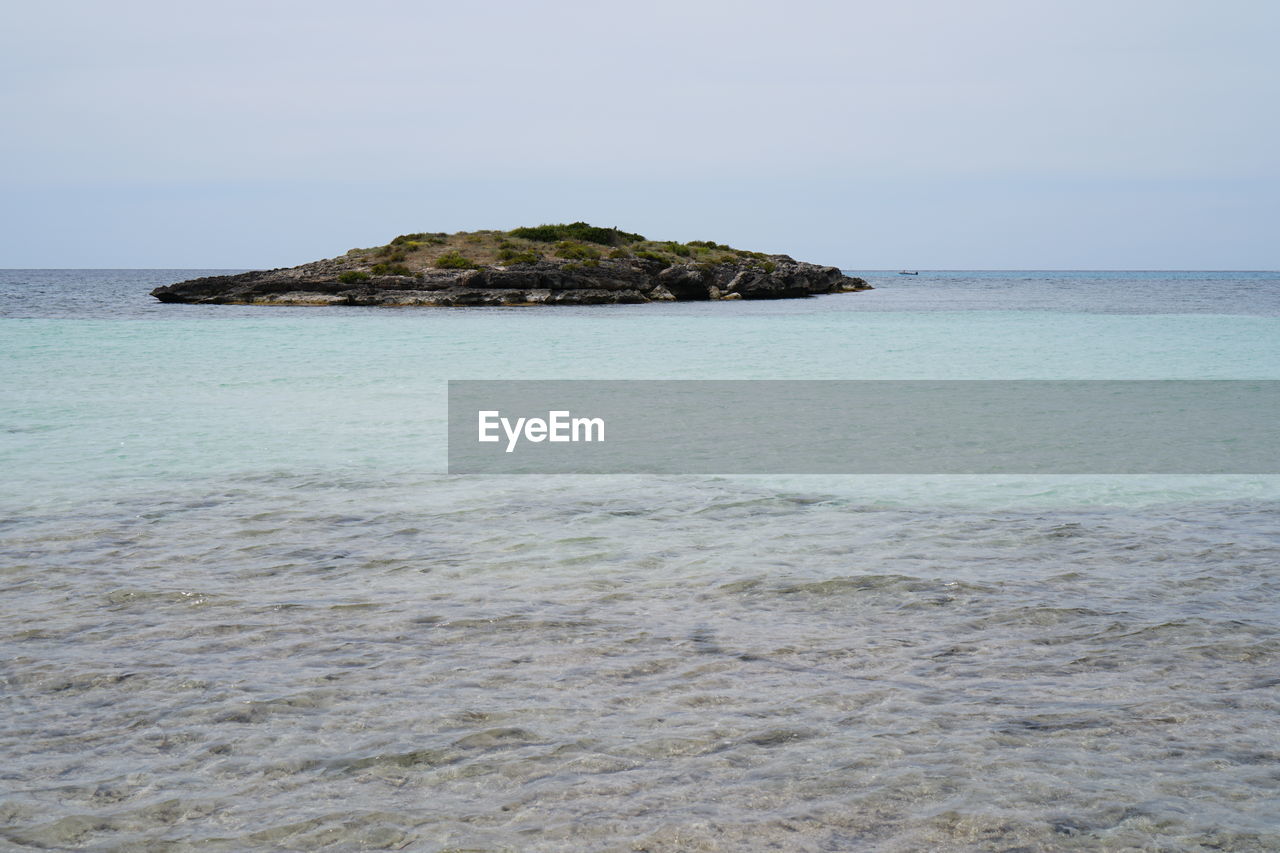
(573, 264)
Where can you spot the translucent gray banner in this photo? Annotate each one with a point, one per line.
(864, 427)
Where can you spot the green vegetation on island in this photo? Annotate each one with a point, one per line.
(578, 242)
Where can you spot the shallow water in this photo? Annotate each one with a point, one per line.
(244, 608)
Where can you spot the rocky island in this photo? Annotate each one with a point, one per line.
(575, 264)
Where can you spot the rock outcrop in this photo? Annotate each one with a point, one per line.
(356, 280)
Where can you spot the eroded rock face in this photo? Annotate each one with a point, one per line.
(547, 282)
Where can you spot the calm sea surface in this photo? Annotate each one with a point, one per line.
(244, 608)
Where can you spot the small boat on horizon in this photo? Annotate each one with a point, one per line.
(908, 272)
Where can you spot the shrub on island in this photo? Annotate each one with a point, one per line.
(576, 251)
(454, 260)
(510, 256)
(576, 231)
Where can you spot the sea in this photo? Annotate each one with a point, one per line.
(246, 607)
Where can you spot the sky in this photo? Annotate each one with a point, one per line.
(926, 134)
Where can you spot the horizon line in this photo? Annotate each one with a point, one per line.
(843, 268)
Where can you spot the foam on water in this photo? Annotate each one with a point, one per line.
(243, 608)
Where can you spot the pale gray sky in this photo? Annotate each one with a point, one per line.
(921, 133)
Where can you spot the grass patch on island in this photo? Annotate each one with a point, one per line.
(574, 243)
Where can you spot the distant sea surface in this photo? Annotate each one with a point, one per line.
(245, 608)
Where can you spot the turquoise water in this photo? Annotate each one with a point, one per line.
(188, 391)
(246, 607)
